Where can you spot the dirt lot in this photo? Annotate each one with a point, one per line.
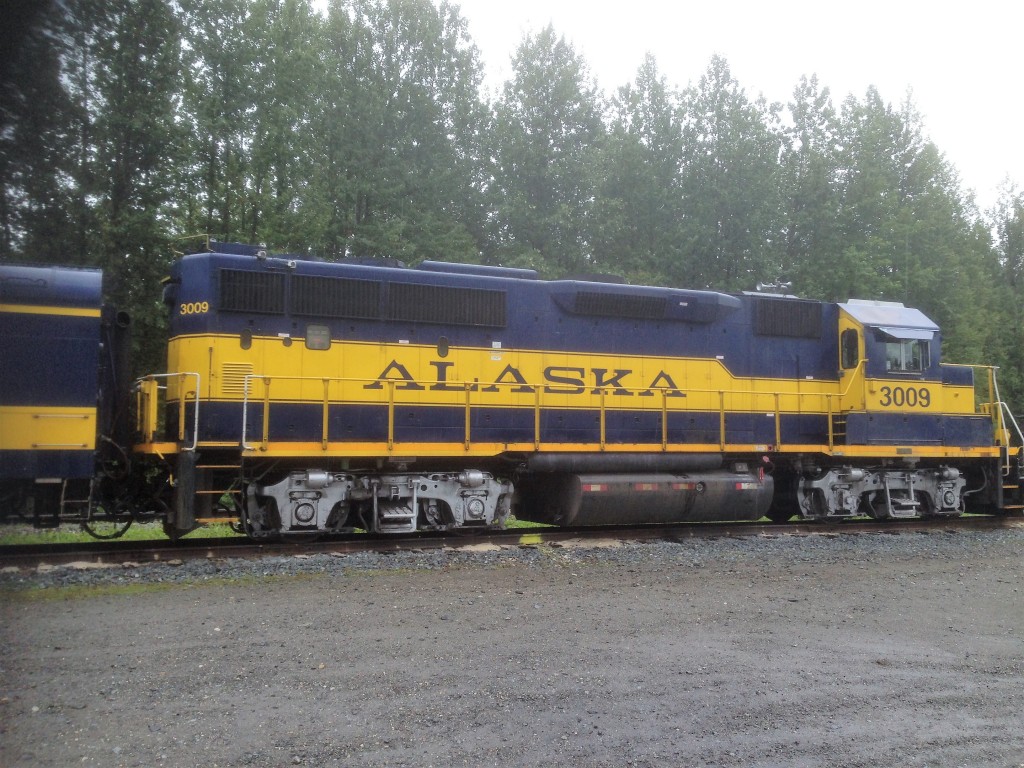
(857, 651)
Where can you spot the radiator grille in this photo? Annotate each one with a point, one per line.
(335, 297)
(451, 306)
(620, 305)
(255, 292)
(787, 317)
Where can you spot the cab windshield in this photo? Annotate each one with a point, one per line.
(906, 355)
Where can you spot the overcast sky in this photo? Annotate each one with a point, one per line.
(964, 62)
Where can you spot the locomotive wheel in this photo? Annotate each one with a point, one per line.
(103, 525)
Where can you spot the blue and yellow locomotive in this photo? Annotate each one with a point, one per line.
(323, 396)
(64, 388)
(304, 396)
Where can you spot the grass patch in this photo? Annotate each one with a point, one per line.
(69, 534)
(511, 523)
(13, 535)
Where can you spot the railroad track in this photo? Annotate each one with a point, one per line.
(113, 553)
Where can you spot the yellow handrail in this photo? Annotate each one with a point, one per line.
(815, 402)
(147, 408)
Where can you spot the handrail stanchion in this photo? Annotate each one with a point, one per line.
(181, 408)
(664, 419)
(266, 413)
(536, 418)
(391, 414)
(326, 414)
(245, 411)
(831, 433)
(778, 423)
(469, 389)
(602, 420)
(721, 419)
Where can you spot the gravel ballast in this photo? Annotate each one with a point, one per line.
(854, 650)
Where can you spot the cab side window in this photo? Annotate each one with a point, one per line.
(849, 348)
(907, 356)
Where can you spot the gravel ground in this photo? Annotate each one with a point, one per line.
(871, 650)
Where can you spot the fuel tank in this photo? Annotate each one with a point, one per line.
(639, 498)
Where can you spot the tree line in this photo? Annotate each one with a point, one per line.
(130, 127)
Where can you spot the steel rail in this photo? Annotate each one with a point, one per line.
(113, 553)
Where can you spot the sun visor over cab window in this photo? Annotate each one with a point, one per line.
(901, 334)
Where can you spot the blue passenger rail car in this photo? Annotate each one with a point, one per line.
(60, 352)
(307, 396)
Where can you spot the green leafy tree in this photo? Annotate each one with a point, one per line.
(42, 206)
(810, 176)
(1007, 222)
(133, 86)
(902, 218)
(222, 52)
(730, 185)
(281, 140)
(638, 211)
(879, 148)
(547, 130)
(400, 120)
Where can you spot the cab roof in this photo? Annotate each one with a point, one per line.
(888, 315)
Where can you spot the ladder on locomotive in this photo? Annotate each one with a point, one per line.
(1011, 494)
(216, 482)
(1008, 493)
(839, 428)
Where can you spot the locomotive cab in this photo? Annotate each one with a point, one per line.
(900, 419)
(893, 339)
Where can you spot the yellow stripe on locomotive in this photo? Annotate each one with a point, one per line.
(40, 428)
(358, 373)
